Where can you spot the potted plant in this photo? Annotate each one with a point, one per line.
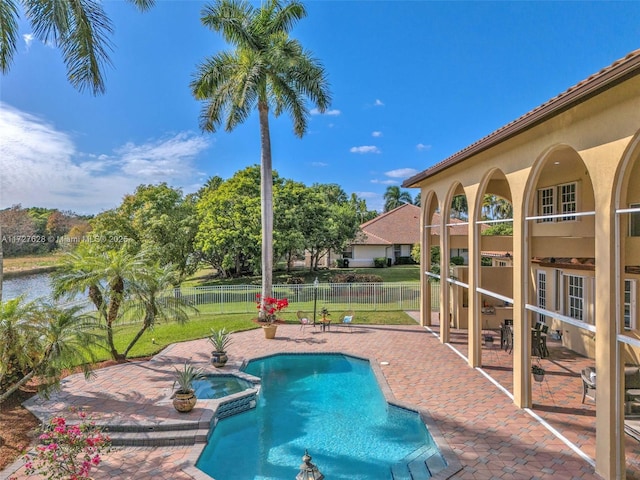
(220, 339)
(184, 399)
(538, 373)
(268, 310)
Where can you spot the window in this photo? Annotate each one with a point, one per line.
(634, 221)
(558, 199)
(546, 202)
(629, 304)
(347, 252)
(542, 293)
(568, 202)
(574, 297)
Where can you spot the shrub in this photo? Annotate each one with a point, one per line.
(355, 278)
(68, 451)
(294, 281)
(380, 262)
(406, 260)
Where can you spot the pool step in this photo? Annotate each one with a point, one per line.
(420, 464)
(162, 438)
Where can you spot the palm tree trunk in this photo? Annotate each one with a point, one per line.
(16, 386)
(266, 201)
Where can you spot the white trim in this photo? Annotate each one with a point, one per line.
(459, 224)
(504, 220)
(457, 282)
(561, 215)
(494, 295)
(634, 342)
(629, 210)
(432, 275)
(562, 318)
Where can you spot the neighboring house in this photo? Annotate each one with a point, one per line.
(393, 234)
(390, 235)
(570, 169)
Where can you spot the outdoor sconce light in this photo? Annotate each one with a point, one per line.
(308, 471)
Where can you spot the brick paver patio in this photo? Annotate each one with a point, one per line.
(491, 437)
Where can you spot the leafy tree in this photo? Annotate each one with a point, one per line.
(459, 207)
(268, 70)
(394, 197)
(43, 340)
(499, 229)
(363, 214)
(156, 219)
(80, 29)
(229, 229)
(330, 221)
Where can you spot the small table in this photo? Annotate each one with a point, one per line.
(325, 325)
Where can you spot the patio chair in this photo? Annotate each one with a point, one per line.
(303, 318)
(346, 319)
(588, 376)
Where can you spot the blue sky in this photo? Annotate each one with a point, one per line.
(412, 83)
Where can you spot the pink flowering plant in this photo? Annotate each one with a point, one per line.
(68, 452)
(270, 307)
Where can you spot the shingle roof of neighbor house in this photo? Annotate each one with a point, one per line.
(401, 226)
(617, 72)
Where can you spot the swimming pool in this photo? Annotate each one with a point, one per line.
(326, 403)
(217, 386)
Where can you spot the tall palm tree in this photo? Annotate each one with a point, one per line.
(394, 197)
(81, 30)
(106, 277)
(266, 69)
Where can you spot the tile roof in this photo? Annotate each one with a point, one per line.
(401, 226)
(617, 72)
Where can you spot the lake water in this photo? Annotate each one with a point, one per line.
(31, 286)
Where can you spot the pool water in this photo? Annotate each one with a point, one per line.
(328, 404)
(217, 386)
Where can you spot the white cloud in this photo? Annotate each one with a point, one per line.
(28, 39)
(384, 182)
(333, 113)
(378, 103)
(41, 165)
(401, 173)
(319, 164)
(376, 134)
(422, 147)
(365, 149)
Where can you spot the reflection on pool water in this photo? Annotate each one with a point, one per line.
(217, 386)
(329, 404)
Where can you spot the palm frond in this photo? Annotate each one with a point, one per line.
(8, 33)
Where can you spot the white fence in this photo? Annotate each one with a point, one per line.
(221, 299)
(335, 296)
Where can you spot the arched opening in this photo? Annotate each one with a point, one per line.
(494, 230)
(455, 263)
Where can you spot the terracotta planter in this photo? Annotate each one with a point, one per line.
(184, 402)
(270, 330)
(219, 359)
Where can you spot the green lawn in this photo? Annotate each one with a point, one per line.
(153, 341)
(397, 273)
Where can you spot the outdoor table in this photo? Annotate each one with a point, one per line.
(325, 325)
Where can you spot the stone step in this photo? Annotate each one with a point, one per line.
(435, 463)
(166, 438)
(399, 471)
(418, 470)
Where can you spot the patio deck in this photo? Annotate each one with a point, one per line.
(491, 437)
